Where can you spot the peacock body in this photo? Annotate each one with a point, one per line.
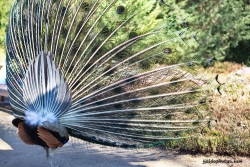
(89, 69)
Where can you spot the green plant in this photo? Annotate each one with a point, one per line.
(5, 6)
(223, 28)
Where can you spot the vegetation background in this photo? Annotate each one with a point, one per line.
(222, 29)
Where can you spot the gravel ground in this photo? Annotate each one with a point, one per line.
(14, 153)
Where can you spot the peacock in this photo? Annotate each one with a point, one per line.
(106, 71)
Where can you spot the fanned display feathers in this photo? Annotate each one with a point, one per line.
(99, 70)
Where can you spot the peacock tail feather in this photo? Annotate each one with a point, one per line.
(102, 71)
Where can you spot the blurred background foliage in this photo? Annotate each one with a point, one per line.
(5, 6)
(222, 26)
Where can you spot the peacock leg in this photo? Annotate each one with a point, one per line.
(49, 155)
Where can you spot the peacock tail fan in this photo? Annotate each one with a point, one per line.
(107, 73)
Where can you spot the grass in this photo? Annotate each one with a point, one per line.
(228, 131)
(231, 111)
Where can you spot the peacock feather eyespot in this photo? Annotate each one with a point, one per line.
(120, 9)
(63, 11)
(167, 50)
(133, 34)
(160, 16)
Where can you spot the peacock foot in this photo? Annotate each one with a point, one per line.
(51, 162)
(49, 155)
